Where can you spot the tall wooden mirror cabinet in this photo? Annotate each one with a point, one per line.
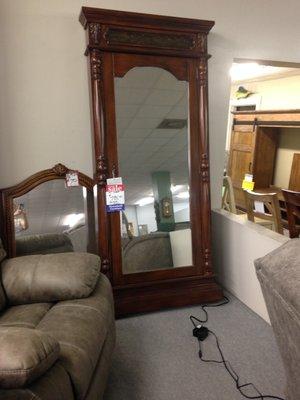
(148, 88)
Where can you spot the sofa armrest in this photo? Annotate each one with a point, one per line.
(50, 277)
(26, 354)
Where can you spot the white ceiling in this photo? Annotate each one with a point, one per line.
(248, 71)
(48, 205)
(144, 97)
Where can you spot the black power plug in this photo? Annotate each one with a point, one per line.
(200, 332)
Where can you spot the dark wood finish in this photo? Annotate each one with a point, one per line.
(292, 201)
(145, 33)
(117, 42)
(9, 194)
(294, 183)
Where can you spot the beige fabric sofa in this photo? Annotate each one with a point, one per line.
(279, 276)
(57, 329)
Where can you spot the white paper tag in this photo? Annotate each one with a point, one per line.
(248, 178)
(72, 178)
(259, 207)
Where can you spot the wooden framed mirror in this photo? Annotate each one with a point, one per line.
(148, 78)
(41, 215)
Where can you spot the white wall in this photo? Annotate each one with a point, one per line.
(182, 215)
(44, 115)
(182, 211)
(146, 215)
(236, 244)
(276, 94)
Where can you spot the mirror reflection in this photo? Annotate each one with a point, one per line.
(153, 148)
(53, 219)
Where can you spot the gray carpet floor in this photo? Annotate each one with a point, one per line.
(156, 356)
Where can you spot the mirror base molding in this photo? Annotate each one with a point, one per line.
(139, 298)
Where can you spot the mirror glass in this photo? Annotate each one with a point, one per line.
(153, 151)
(52, 218)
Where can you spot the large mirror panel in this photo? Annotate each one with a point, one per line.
(153, 151)
(53, 218)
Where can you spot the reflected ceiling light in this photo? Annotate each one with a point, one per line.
(72, 219)
(84, 192)
(183, 195)
(175, 188)
(144, 201)
(244, 70)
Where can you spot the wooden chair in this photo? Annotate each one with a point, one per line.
(292, 201)
(271, 203)
(228, 201)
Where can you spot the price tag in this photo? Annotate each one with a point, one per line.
(248, 183)
(115, 196)
(72, 178)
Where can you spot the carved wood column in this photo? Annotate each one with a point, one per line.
(100, 162)
(204, 165)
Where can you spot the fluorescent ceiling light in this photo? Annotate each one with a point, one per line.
(72, 219)
(144, 201)
(175, 188)
(183, 195)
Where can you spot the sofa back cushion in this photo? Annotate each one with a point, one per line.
(50, 277)
(26, 354)
(2, 295)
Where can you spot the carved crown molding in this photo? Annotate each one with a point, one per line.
(60, 169)
(95, 33)
(200, 42)
(96, 64)
(202, 73)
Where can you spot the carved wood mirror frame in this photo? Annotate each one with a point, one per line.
(118, 41)
(8, 195)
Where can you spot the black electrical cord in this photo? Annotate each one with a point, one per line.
(223, 361)
(203, 321)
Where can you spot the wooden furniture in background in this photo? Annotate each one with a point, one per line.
(253, 147)
(292, 201)
(228, 201)
(8, 195)
(271, 203)
(294, 183)
(118, 42)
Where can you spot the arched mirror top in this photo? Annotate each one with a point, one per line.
(43, 214)
(175, 66)
(59, 171)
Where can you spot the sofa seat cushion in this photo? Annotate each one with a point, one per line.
(50, 277)
(25, 355)
(25, 315)
(281, 268)
(80, 327)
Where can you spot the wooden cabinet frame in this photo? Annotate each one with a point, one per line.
(117, 42)
(264, 128)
